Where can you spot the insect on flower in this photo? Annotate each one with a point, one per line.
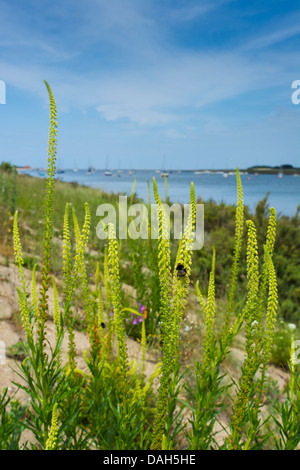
(103, 324)
(181, 271)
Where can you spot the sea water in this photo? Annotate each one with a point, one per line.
(284, 191)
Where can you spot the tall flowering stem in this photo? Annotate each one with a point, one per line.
(209, 311)
(180, 285)
(108, 305)
(270, 241)
(271, 315)
(25, 312)
(100, 323)
(173, 299)
(34, 298)
(251, 360)
(78, 267)
(259, 340)
(48, 209)
(113, 264)
(239, 230)
(164, 260)
(67, 264)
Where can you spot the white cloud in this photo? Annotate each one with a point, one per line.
(142, 116)
(173, 89)
(153, 83)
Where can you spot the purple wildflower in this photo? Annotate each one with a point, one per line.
(142, 308)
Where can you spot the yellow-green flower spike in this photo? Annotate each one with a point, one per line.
(210, 317)
(239, 230)
(18, 251)
(48, 209)
(67, 265)
(34, 299)
(52, 438)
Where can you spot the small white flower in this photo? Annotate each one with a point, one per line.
(292, 326)
(254, 323)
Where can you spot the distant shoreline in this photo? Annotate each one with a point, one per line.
(274, 170)
(261, 170)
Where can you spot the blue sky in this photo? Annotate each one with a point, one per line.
(200, 84)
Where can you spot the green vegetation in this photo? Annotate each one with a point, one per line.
(113, 405)
(285, 169)
(7, 167)
(219, 226)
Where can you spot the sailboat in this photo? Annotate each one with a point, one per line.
(164, 173)
(75, 169)
(107, 172)
(90, 170)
